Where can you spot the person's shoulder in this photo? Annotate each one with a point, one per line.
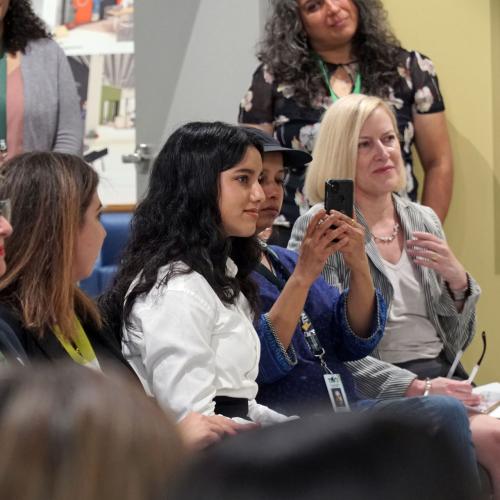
(312, 211)
(260, 68)
(422, 210)
(43, 54)
(418, 211)
(300, 226)
(10, 316)
(264, 74)
(177, 277)
(306, 217)
(411, 53)
(413, 59)
(43, 46)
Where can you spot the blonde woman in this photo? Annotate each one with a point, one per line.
(431, 297)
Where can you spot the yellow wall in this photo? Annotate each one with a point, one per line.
(463, 39)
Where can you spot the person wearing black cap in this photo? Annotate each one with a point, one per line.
(296, 300)
(295, 161)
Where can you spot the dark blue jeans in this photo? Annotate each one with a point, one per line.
(445, 414)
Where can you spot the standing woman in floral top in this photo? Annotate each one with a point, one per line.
(316, 51)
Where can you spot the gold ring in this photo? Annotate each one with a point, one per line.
(434, 257)
(352, 222)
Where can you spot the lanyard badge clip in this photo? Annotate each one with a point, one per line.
(333, 381)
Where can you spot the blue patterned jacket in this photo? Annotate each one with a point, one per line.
(292, 380)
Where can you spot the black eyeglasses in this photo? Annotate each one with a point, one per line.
(5, 209)
(474, 371)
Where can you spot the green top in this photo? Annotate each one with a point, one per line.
(79, 348)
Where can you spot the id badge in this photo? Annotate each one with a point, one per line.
(336, 391)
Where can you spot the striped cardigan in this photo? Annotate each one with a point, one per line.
(456, 330)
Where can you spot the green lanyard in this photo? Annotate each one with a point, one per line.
(3, 101)
(80, 349)
(335, 97)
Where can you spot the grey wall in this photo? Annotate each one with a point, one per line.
(194, 61)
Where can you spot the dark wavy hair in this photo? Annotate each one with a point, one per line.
(286, 51)
(179, 220)
(21, 25)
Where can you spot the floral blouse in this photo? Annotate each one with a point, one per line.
(267, 101)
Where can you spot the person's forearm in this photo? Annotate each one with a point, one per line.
(361, 303)
(285, 313)
(438, 187)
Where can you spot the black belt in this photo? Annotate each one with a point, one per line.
(231, 407)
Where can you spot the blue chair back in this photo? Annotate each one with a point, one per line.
(117, 225)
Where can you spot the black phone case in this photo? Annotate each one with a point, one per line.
(339, 196)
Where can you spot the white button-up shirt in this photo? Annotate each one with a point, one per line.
(187, 346)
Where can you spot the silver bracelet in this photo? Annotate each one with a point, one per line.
(427, 386)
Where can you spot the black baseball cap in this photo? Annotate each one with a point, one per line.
(295, 159)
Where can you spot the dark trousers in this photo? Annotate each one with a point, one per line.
(432, 368)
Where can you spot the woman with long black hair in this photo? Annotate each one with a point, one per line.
(183, 298)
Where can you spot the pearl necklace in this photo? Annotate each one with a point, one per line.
(390, 238)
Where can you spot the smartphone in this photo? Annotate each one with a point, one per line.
(339, 196)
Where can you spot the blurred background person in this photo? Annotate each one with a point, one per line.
(349, 457)
(316, 51)
(68, 432)
(39, 105)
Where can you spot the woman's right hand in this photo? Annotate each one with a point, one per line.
(351, 243)
(318, 245)
(199, 431)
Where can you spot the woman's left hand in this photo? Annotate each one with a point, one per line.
(430, 251)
